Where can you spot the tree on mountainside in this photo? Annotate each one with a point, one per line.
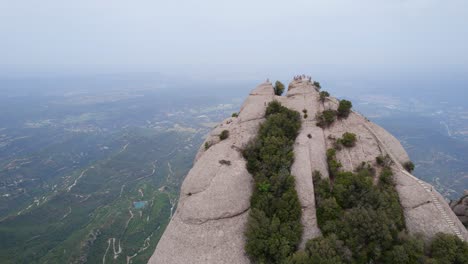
(326, 118)
(317, 84)
(279, 88)
(323, 95)
(344, 108)
(409, 166)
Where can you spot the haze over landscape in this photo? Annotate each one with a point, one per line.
(104, 104)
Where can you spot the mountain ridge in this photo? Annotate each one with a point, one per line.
(209, 223)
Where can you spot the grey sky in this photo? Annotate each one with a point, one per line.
(101, 35)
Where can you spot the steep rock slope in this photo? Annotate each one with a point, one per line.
(208, 226)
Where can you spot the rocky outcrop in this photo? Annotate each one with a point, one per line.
(460, 208)
(208, 226)
(209, 222)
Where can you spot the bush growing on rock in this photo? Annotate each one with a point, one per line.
(344, 108)
(234, 115)
(323, 96)
(326, 118)
(333, 164)
(278, 88)
(409, 166)
(348, 140)
(224, 134)
(317, 84)
(380, 160)
(384, 161)
(207, 145)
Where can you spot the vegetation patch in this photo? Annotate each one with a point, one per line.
(326, 118)
(362, 222)
(409, 166)
(317, 84)
(208, 145)
(333, 164)
(384, 161)
(348, 140)
(224, 134)
(274, 226)
(278, 88)
(344, 108)
(323, 96)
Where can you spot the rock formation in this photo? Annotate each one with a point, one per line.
(460, 208)
(208, 226)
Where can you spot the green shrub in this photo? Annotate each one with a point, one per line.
(207, 145)
(331, 153)
(348, 140)
(344, 108)
(384, 161)
(224, 134)
(278, 88)
(317, 84)
(326, 118)
(234, 115)
(409, 166)
(323, 96)
(333, 164)
(274, 107)
(380, 160)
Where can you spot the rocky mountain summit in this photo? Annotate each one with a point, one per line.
(210, 221)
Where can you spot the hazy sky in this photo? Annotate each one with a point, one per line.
(156, 35)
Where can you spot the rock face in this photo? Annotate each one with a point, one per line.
(460, 208)
(209, 223)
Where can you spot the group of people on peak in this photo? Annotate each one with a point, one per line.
(302, 77)
(297, 78)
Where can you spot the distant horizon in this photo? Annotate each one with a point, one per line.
(248, 38)
(248, 72)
